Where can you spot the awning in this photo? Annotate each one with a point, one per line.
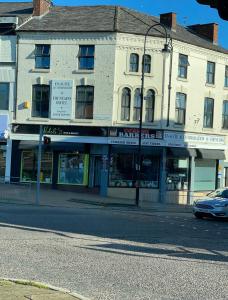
(211, 154)
(182, 152)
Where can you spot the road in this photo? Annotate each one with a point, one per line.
(115, 253)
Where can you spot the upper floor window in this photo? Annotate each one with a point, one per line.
(134, 62)
(225, 115)
(180, 108)
(4, 96)
(226, 76)
(125, 104)
(40, 100)
(183, 66)
(147, 63)
(210, 72)
(42, 56)
(150, 105)
(84, 102)
(86, 57)
(137, 105)
(208, 113)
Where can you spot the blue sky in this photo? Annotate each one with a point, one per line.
(188, 11)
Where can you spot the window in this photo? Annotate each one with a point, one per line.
(29, 166)
(134, 62)
(210, 72)
(40, 101)
(150, 103)
(84, 102)
(42, 56)
(225, 115)
(86, 57)
(137, 105)
(180, 108)
(125, 104)
(147, 63)
(226, 76)
(183, 66)
(4, 96)
(208, 113)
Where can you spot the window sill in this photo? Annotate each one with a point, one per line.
(82, 121)
(210, 85)
(208, 129)
(225, 130)
(226, 88)
(83, 72)
(182, 79)
(40, 71)
(138, 74)
(35, 119)
(179, 125)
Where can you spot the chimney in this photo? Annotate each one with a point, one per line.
(208, 31)
(40, 7)
(169, 20)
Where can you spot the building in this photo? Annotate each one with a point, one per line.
(12, 15)
(79, 75)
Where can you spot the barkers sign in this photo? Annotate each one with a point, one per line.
(61, 99)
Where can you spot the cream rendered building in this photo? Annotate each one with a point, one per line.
(79, 75)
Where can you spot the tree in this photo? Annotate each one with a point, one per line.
(220, 5)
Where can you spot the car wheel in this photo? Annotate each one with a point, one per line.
(198, 215)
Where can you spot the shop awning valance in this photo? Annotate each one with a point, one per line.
(56, 146)
(28, 145)
(211, 154)
(182, 152)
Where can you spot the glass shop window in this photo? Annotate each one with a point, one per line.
(2, 162)
(177, 174)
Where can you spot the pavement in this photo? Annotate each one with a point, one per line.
(115, 252)
(21, 290)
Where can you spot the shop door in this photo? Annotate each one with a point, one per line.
(97, 171)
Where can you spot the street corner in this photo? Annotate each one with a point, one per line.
(11, 289)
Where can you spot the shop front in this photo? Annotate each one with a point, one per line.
(3, 147)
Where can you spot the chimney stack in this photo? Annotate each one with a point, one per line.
(41, 7)
(169, 20)
(209, 31)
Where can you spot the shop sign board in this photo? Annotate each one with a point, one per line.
(130, 136)
(61, 99)
(3, 126)
(192, 140)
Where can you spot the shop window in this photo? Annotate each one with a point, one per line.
(225, 115)
(4, 96)
(2, 161)
(150, 105)
(149, 172)
(180, 108)
(29, 166)
(147, 63)
(177, 174)
(73, 169)
(210, 72)
(134, 62)
(84, 102)
(208, 113)
(40, 100)
(42, 56)
(183, 66)
(226, 77)
(137, 105)
(86, 57)
(125, 104)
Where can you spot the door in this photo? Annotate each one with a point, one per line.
(97, 171)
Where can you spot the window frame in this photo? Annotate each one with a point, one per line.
(224, 115)
(125, 108)
(6, 108)
(210, 79)
(86, 57)
(146, 64)
(150, 109)
(87, 102)
(179, 109)
(207, 113)
(137, 105)
(46, 113)
(41, 54)
(183, 66)
(226, 77)
(134, 64)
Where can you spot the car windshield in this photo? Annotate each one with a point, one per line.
(219, 193)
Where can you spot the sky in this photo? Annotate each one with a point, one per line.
(188, 11)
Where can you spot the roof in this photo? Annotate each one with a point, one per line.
(21, 9)
(109, 19)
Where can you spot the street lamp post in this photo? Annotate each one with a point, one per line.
(139, 156)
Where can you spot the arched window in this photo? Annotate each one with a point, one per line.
(150, 104)
(147, 63)
(125, 104)
(137, 105)
(134, 62)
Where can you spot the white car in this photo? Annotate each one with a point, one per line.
(215, 204)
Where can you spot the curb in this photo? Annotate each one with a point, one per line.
(44, 285)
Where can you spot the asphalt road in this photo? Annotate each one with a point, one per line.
(115, 253)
